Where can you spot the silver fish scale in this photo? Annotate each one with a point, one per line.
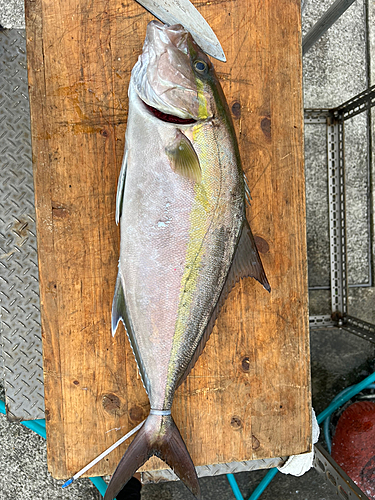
(20, 330)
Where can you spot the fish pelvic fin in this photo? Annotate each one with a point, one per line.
(121, 187)
(158, 436)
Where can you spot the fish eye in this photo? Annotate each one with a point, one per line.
(201, 66)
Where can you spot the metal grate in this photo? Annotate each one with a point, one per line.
(20, 331)
(158, 476)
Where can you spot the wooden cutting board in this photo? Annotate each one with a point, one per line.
(248, 396)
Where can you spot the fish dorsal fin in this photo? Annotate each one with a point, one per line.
(183, 158)
(120, 313)
(246, 263)
(121, 187)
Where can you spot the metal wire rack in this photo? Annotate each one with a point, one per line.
(335, 119)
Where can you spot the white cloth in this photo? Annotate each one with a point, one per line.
(297, 465)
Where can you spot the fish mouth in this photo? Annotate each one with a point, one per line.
(168, 118)
(163, 77)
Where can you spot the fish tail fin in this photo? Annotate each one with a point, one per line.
(158, 436)
(134, 457)
(173, 451)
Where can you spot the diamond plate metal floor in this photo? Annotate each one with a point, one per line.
(20, 331)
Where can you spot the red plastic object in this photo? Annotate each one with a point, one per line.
(353, 446)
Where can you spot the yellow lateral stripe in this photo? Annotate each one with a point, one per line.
(199, 216)
(202, 110)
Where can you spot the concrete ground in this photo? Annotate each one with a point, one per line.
(335, 69)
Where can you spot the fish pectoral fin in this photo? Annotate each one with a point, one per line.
(183, 158)
(246, 262)
(118, 306)
(121, 187)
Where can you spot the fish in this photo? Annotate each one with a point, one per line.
(185, 240)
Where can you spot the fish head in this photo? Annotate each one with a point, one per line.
(172, 75)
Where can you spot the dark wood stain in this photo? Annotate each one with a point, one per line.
(255, 442)
(136, 414)
(262, 245)
(60, 211)
(265, 125)
(245, 364)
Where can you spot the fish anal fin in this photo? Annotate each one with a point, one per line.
(118, 306)
(183, 158)
(120, 313)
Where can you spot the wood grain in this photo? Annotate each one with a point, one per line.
(249, 395)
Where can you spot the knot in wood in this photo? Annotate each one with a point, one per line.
(111, 403)
(236, 422)
(236, 109)
(245, 364)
